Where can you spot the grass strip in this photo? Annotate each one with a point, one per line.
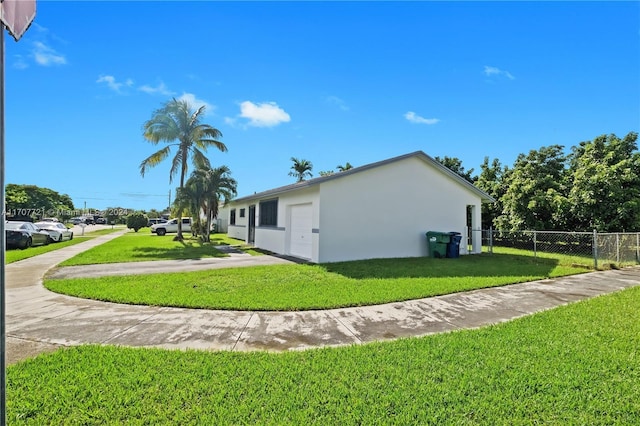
(577, 364)
(304, 287)
(16, 254)
(143, 246)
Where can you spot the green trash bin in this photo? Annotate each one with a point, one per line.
(438, 242)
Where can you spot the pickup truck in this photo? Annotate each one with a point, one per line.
(171, 226)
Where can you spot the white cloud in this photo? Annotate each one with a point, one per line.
(266, 114)
(19, 62)
(197, 103)
(334, 100)
(415, 118)
(113, 84)
(489, 71)
(46, 56)
(160, 88)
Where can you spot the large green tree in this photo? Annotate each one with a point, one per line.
(455, 165)
(605, 178)
(492, 181)
(179, 125)
(536, 194)
(37, 202)
(301, 169)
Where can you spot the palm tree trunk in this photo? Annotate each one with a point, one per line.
(179, 236)
(208, 212)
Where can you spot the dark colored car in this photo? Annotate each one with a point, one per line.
(101, 221)
(25, 234)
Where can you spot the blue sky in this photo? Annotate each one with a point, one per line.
(330, 82)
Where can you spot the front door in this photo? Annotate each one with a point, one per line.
(251, 238)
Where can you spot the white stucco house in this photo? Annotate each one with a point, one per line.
(379, 210)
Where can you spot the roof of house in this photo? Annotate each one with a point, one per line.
(339, 175)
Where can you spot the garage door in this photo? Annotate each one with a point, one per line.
(300, 243)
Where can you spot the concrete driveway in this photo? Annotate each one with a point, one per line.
(38, 320)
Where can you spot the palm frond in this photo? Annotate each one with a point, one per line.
(161, 127)
(195, 117)
(200, 161)
(154, 159)
(176, 165)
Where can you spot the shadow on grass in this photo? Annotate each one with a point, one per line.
(221, 241)
(186, 250)
(480, 265)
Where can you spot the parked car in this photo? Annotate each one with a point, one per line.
(171, 226)
(24, 234)
(155, 220)
(76, 220)
(57, 231)
(101, 221)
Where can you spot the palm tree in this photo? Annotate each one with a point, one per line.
(301, 169)
(190, 198)
(346, 167)
(177, 124)
(218, 185)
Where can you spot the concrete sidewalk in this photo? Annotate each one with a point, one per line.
(38, 320)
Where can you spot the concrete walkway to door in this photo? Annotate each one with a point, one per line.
(39, 320)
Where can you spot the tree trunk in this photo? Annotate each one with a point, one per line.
(179, 236)
(208, 212)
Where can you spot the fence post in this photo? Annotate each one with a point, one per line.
(491, 239)
(467, 230)
(637, 247)
(535, 244)
(617, 248)
(595, 250)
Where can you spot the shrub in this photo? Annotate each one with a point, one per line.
(137, 220)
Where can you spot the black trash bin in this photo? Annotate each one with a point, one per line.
(453, 248)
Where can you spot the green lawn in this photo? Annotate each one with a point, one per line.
(577, 364)
(142, 246)
(303, 287)
(585, 261)
(16, 254)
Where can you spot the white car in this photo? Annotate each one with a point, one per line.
(171, 226)
(56, 230)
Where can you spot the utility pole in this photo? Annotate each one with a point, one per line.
(16, 16)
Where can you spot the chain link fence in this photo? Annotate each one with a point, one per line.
(591, 248)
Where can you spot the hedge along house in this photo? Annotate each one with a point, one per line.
(380, 210)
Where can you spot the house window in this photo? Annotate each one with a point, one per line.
(242, 212)
(269, 213)
(232, 219)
